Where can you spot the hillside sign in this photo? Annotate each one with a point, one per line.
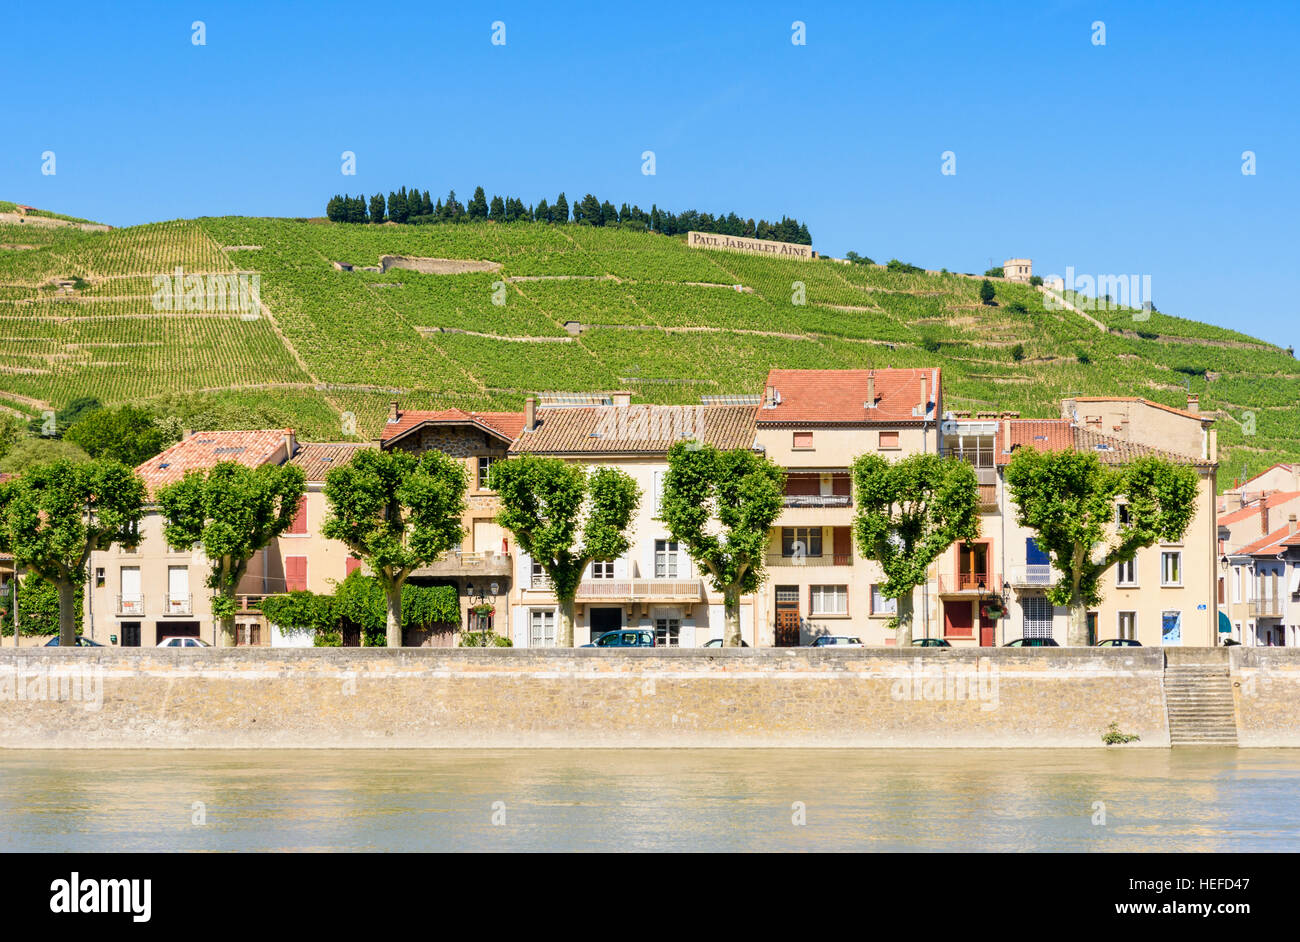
(712, 240)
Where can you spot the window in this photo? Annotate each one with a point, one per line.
(801, 541)
(665, 559)
(882, 605)
(803, 440)
(299, 525)
(658, 490)
(295, 573)
(602, 570)
(829, 600)
(1171, 568)
(1128, 625)
(1126, 572)
(484, 464)
(1122, 515)
(540, 580)
(1038, 616)
(1171, 627)
(542, 633)
(668, 632)
(1236, 584)
(888, 440)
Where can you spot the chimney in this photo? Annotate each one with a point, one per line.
(1263, 516)
(925, 398)
(871, 389)
(530, 413)
(769, 397)
(621, 399)
(393, 413)
(187, 433)
(1290, 524)
(1193, 403)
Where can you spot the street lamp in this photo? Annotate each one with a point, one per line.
(482, 596)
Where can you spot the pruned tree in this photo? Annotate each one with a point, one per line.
(1069, 499)
(907, 514)
(721, 506)
(564, 517)
(53, 516)
(231, 511)
(398, 512)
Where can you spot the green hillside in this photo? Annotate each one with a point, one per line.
(659, 318)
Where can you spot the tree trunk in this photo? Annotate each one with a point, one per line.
(1077, 636)
(67, 614)
(903, 633)
(226, 624)
(564, 636)
(731, 610)
(393, 621)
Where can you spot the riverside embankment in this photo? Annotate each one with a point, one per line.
(521, 698)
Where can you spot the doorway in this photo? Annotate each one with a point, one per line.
(130, 634)
(602, 620)
(787, 616)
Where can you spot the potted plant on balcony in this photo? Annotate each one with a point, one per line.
(487, 610)
(992, 610)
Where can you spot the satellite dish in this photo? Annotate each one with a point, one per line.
(949, 427)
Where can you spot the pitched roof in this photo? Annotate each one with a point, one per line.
(1251, 510)
(505, 425)
(635, 430)
(316, 460)
(1062, 435)
(1268, 545)
(840, 396)
(204, 449)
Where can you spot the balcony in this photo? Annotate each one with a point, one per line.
(1032, 574)
(176, 604)
(640, 590)
(467, 564)
(804, 561)
(818, 500)
(1268, 607)
(988, 497)
(969, 583)
(130, 604)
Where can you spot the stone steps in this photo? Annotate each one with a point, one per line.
(1199, 705)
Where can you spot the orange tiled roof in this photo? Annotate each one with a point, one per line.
(638, 429)
(839, 396)
(317, 459)
(506, 425)
(205, 449)
(1245, 513)
(1061, 435)
(1268, 545)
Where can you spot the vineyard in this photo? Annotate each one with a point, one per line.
(77, 318)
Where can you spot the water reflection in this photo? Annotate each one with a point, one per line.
(885, 800)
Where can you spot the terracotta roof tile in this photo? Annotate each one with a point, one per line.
(1251, 510)
(1267, 545)
(637, 429)
(810, 396)
(507, 425)
(317, 459)
(205, 449)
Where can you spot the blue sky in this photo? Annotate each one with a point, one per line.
(1117, 159)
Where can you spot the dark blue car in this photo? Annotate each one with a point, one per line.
(625, 638)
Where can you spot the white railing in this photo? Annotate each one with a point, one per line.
(176, 604)
(130, 604)
(634, 590)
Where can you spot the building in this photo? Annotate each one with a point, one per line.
(655, 584)
(481, 568)
(1166, 594)
(1263, 579)
(814, 423)
(1018, 269)
(136, 597)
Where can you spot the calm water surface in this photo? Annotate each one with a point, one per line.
(588, 800)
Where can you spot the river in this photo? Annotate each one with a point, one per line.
(1183, 800)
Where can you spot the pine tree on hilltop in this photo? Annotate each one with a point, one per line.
(478, 206)
(497, 209)
(426, 206)
(543, 211)
(560, 212)
(377, 208)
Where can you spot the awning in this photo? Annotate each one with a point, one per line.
(1225, 626)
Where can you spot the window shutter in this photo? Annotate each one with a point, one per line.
(658, 489)
(299, 524)
(295, 573)
(352, 565)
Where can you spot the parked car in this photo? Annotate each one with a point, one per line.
(1032, 643)
(836, 641)
(717, 643)
(930, 643)
(183, 643)
(624, 638)
(1119, 643)
(81, 642)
